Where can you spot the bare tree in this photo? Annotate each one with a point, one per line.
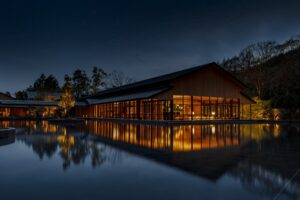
(118, 78)
(264, 50)
(247, 58)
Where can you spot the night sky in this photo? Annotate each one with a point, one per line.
(142, 38)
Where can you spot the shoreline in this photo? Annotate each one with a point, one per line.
(156, 122)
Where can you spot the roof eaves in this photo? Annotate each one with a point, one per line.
(247, 97)
(154, 80)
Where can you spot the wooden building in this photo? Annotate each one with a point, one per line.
(37, 105)
(27, 108)
(4, 96)
(200, 93)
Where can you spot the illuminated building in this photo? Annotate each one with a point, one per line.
(204, 92)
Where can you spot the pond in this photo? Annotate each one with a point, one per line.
(109, 160)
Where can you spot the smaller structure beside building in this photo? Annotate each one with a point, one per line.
(38, 104)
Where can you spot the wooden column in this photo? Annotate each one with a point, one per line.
(231, 108)
(192, 108)
(239, 108)
(138, 109)
(217, 109)
(242, 112)
(172, 110)
(250, 112)
(209, 103)
(201, 108)
(151, 106)
(223, 108)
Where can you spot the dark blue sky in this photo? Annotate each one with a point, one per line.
(143, 38)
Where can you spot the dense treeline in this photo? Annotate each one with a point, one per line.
(272, 72)
(79, 83)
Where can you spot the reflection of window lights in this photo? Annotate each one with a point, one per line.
(213, 129)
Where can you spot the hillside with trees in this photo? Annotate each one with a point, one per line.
(272, 73)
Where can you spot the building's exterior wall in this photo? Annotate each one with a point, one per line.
(181, 107)
(24, 110)
(40, 111)
(208, 93)
(210, 82)
(13, 112)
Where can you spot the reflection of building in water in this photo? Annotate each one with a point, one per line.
(7, 136)
(265, 181)
(174, 138)
(32, 126)
(209, 151)
(262, 157)
(73, 147)
(272, 163)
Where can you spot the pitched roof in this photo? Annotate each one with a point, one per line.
(162, 80)
(247, 97)
(5, 95)
(25, 103)
(28, 103)
(139, 95)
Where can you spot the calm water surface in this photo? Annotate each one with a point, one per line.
(106, 160)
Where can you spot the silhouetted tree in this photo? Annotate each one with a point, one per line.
(43, 83)
(51, 84)
(67, 83)
(98, 79)
(21, 95)
(81, 83)
(39, 84)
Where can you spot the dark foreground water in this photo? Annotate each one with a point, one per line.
(104, 160)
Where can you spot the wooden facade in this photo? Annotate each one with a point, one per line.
(35, 106)
(28, 111)
(27, 108)
(202, 93)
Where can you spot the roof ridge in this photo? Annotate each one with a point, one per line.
(176, 74)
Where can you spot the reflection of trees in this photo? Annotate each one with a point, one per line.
(270, 163)
(72, 149)
(97, 159)
(77, 150)
(41, 145)
(42, 148)
(260, 180)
